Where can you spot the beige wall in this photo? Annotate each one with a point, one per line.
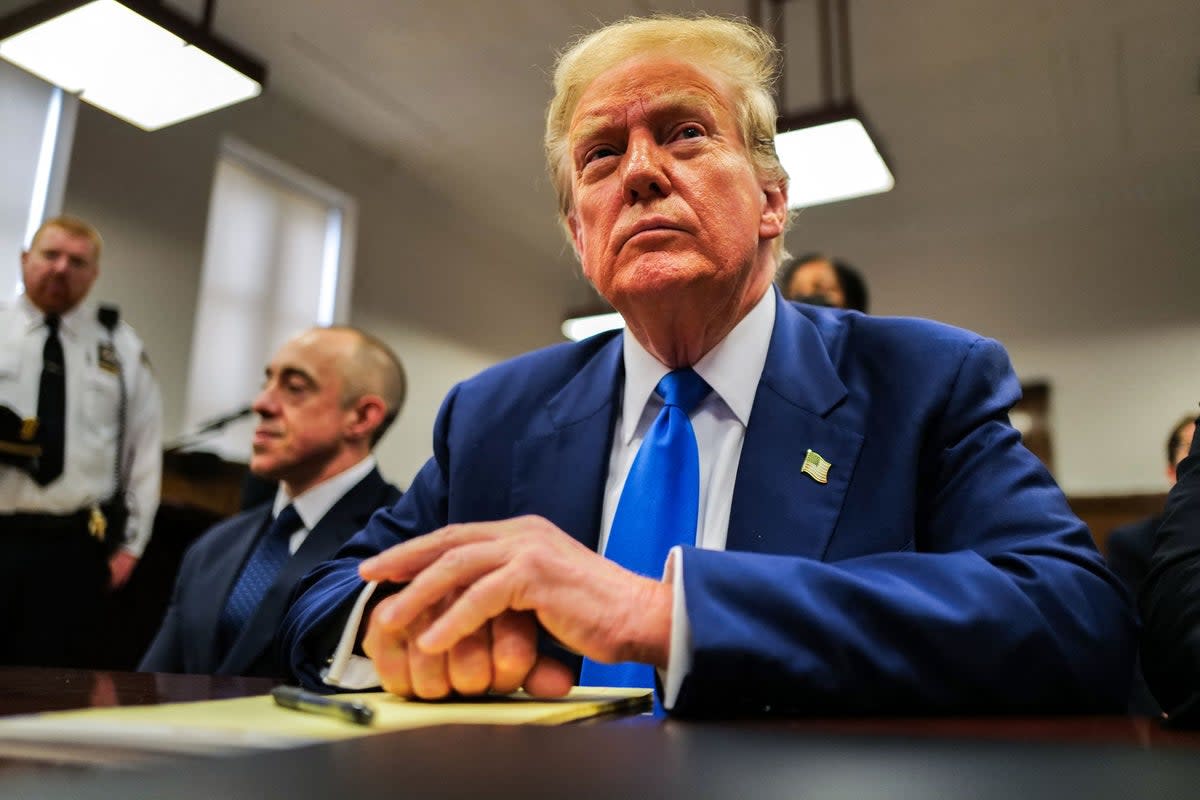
(149, 193)
(1085, 288)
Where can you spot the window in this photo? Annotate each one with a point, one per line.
(36, 131)
(276, 260)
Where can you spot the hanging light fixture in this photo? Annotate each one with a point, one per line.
(829, 152)
(135, 59)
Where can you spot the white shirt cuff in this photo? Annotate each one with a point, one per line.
(347, 670)
(679, 658)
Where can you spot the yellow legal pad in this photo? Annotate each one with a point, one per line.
(219, 726)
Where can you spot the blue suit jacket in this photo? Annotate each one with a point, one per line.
(187, 641)
(939, 569)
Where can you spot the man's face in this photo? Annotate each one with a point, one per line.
(816, 278)
(303, 419)
(59, 270)
(665, 197)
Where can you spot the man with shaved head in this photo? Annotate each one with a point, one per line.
(328, 396)
(753, 504)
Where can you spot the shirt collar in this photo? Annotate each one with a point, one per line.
(314, 504)
(732, 368)
(67, 323)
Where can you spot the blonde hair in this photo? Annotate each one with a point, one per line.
(739, 51)
(75, 227)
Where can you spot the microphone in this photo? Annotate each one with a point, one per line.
(211, 426)
(216, 423)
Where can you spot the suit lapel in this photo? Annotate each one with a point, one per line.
(777, 508)
(560, 470)
(345, 518)
(209, 614)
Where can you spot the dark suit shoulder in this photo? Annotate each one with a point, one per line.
(1135, 535)
(227, 531)
(888, 340)
(548, 365)
(374, 490)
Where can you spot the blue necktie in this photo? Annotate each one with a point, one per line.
(258, 573)
(659, 505)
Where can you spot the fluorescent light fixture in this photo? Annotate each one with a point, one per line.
(829, 157)
(135, 59)
(578, 328)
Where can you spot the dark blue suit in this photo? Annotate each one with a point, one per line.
(939, 570)
(188, 639)
(1170, 598)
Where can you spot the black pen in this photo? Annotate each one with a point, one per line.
(300, 700)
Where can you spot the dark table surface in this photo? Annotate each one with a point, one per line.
(1012, 758)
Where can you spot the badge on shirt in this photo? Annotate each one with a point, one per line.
(106, 356)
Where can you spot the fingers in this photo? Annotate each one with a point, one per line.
(469, 663)
(403, 562)
(429, 672)
(549, 678)
(495, 658)
(487, 598)
(389, 654)
(514, 650)
(453, 570)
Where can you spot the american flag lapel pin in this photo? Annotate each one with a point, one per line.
(816, 467)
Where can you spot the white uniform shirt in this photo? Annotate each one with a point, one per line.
(93, 408)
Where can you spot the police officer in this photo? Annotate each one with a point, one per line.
(80, 451)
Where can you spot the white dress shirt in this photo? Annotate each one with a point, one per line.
(92, 423)
(733, 369)
(313, 505)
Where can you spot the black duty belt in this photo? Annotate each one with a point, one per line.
(104, 522)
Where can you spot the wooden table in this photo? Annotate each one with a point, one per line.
(1014, 759)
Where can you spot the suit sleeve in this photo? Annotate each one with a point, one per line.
(1125, 558)
(322, 600)
(1003, 605)
(1170, 597)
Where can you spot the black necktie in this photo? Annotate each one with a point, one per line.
(52, 406)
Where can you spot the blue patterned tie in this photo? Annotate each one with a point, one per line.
(658, 507)
(258, 573)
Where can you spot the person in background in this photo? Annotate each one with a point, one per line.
(1129, 546)
(83, 438)
(1128, 554)
(329, 396)
(820, 280)
(1170, 599)
(758, 506)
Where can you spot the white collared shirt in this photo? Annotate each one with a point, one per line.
(93, 416)
(732, 369)
(314, 504)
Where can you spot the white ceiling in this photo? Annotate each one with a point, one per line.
(1023, 133)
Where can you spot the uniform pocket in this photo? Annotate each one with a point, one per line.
(12, 394)
(102, 402)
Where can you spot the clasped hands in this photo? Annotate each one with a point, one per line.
(467, 620)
